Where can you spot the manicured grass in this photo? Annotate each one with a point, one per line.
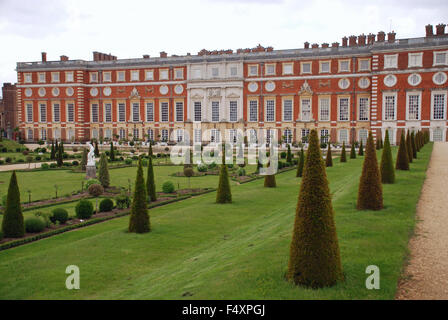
(233, 251)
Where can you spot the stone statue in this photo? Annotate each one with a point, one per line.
(90, 167)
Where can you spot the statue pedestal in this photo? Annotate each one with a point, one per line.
(90, 172)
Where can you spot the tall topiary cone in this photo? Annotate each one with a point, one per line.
(378, 144)
(370, 192)
(387, 165)
(361, 149)
(299, 172)
(381, 143)
(343, 155)
(12, 224)
(52, 153)
(409, 147)
(59, 158)
(352, 152)
(414, 147)
(329, 158)
(314, 253)
(224, 194)
(139, 219)
(402, 155)
(289, 155)
(84, 159)
(96, 151)
(150, 183)
(103, 174)
(112, 152)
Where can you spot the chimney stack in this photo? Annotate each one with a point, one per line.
(440, 29)
(64, 58)
(352, 41)
(146, 56)
(429, 30)
(381, 36)
(335, 45)
(361, 40)
(391, 37)
(315, 45)
(371, 38)
(163, 54)
(325, 45)
(307, 45)
(44, 57)
(344, 41)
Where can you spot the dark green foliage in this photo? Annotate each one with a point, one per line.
(12, 224)
(34, 224)
(387, 164)
(139, 219)
(409, 147)
(150, 183)
(95, 190)
(301, 164)
(352, 151)
(343, 155)
(123, 201)
(62, 147)
(414, 147)
(329, 158)
(259, 166)
(92, 181)
(361, 149)
(96, 150)
(59, 156)
(224, 194)
(1, 235)
(52, 153)
(370, 192)
(84, 159)
(103, 174)
(269, 181)
(289, 155)
(112, 152)
(378, 144)
(106, 205)
(418, 141)
(84, 209)
(402, 162)
(168, 187)
(59, 214)
(381, 143)
(314, 252)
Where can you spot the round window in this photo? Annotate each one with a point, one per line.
(107, 91)
(414, 79)
(270, 86)
(55, 92)
(364, 83)
(28, 92)
(69, 91)
(42, 92)
(390, 80)
(439, 78)
(344, 83)
(94, 92)
(163, 90)
(179, 89)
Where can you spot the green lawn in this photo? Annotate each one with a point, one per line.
(236, 251)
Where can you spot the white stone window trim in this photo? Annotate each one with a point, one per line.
(249, 70)
(435, 63)
(284, 109)
(27, 78)
(266, 69)
(437, 74)
(321, 63)
(121, 76)
(149, 74)
(164, 74)
(286, 65)
(135, 75)
(306, 63)
(178, 73)
(412, 76)
(393, 79)
(389, 94)
(321, 99)
(93, 77)
(360, 64)
(69, 76)
(340, 69)
(419, 56)
(437, 92)
(414, 93)
(107, 76)
(339, 108)
(389, 58)
(359, 108)
(41, 77)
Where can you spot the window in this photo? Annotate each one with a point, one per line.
(390, 61)
(69, 77)
(288, 136)
(196, 73)
(93, 76)
(107, 76)
(197, 135)
(270, 69)
(233, 111)
(305, 133)
(163, 75)
(108, 112)
(439, 78)
(164, 111)
(57, 134)
(41, 77)
(344, 65)
(414, 79)
(306, 67)
(269, 135)
(252, 136)
(135, 75)
(343, 136)
(437, 134)
(253, 70)
(55, 77)
(324, 66)
(149, 112)
(363, 134)
(197, 111)
(95, 116)
(288, 68)
(390, 80)
(415, 60)
(136, 133)
(149, 75)
(164, 135)
(413, 106)
(108, 133)
(135, 112)
(30, 134)
(389, 106)
(29, 112)
(178, 73)
(215, 111)
(215, 135)
(364, 82)
(324, 109)
(306, 109)
(363, 108)
(215, 72)
(150, 135)
(56, 112)
(122, 133)
(287, 110)
(324, 136)
(270, 110)
(179, 111)
(253, 110)
(43, 134)
(344, 83)
(439, 106)
(343, 109)
(232, 136)
(121, 112)
(121, 76)
(43, 112)
(233, 71)
(27, 78)
(70, 112)
(364, 64)
(71, 134)
(440, 58)
(390, 131)
(179, 135)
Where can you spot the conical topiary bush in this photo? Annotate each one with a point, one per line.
(409, 147)
(139, 218)
(387, 165)
(224, 194)
(361, 149)
(103, 174)
(314, 252)
(370, 192)
(352, 151)
(402, 162)
(289, 155)
(299, 172)
(12, 224)
(343, 155)
(329, 157)
(150, 183)
(414, 147)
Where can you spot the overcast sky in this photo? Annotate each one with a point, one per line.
(131, 28)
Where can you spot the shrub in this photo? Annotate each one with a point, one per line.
(92, 181)
(352, 151)
(1, 235)
(387, 166)
(21, 160)
(53, 165)
(139, 218)
(103, 173)
(202, 167)
(123, 201)
(8, 160)
(269, 181)
(106, 205)
(289, 155)
(12, 224)
(283, 155)
(2, 162)
(128, 161)
(329, 158)
(95, 190)
(370, 192)
(343, 154)
(75, 149)
(314, 252)
(299, 172)
(241, 172)
(18, 149)
(402, 162)
(75, 163)
(84, 209)
(409, 147)
(150, 183)
(211, 166)
(44, 216)
(224, 194)
(168, 187)
(414, 147)
(34, 224)
(45, 166)
(59, 214)
(25, 152)
(361, 150)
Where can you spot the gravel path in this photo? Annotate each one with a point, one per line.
(426, 276)
(22, 166)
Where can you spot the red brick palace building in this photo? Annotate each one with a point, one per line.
(367, 82)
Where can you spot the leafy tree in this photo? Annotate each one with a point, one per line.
(13, 224)
(370, 192)
(343, 155)
(329, 158)
(139, 218)
(352, 151)
(314, 252)
(300, 164)
(414, 147)
(409, 147)
(387, 165)
(361, 149)
(112, 152)
(402, 162)
(150, 183)
(103, 174)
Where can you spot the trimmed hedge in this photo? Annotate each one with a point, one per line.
(59, 214)
(34, 224)
(84, 209)
(106, 205)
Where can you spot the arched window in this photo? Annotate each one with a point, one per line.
(288, 135)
